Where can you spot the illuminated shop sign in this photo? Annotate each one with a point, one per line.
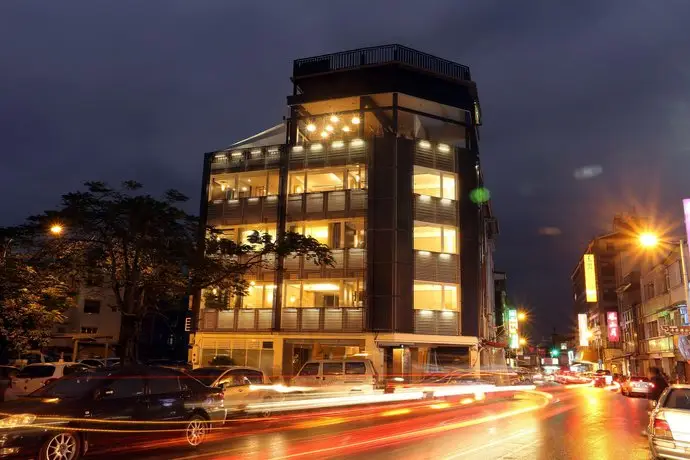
(612, 326)
(590, 278)
(513, 329)
(582, 325)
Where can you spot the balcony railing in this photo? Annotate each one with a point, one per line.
(348, 263)
(323, 319)
(379, 55)
(435, 210)
(293, 319)
(436, 322)
(335, 153)
(247, 159)
(432, 266)
(243, 211)
(327, 205)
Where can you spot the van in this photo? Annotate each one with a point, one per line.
(351, 375)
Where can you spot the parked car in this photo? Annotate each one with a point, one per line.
(241, 386)
(99, 363)
(669, 424)
(7, 373)
(337, 375)
(636, 386)
(115, 398)
(35, 376)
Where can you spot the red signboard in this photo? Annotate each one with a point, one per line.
(612, 326)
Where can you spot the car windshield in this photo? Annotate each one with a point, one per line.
(36, 372)
(72, 387)
(206, 375)
(678, 398)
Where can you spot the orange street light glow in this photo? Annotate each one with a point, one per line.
(648, 240)
(522, 316)
(56, 229)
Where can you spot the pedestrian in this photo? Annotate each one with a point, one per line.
(660, 383)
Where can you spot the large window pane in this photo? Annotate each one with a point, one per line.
(273, 183)
(426, 182)
(292, 295)
(321, 294)
(355, 234)
(450, 298)
(297, 182)
(254, 297)
(356, 177)
(428, 296)
(318, 231)
(450, 240)
(448, 182)
(325, 181)
(428, 238)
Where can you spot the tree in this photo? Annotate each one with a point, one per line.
(150, 251)
(34, 295)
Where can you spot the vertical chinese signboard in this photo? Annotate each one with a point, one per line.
(612, 326)
(590, 278)
(582, 326)
(513, 329)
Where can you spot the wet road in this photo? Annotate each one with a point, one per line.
(576, 423)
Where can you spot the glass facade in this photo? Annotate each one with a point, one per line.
(327, 179)
(323, 293)
(436, 296)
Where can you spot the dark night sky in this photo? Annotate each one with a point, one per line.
(131, 89)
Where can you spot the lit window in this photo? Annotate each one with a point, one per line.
(450, 240)
(319, 232)
(435, 238)
(325, 181)
(431, 182)
(448, 187)
(435, 296)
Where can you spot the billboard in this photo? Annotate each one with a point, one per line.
(612, 326)
(582, 326)
(590, 278)
(513, 339)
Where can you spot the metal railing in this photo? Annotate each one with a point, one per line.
(293, 319)
(385, 54)
(436, 322)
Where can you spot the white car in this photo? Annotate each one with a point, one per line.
(241, 386)
(35, 376)
(669, 424)
(338, 375)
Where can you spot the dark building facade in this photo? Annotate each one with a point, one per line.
(377, 159)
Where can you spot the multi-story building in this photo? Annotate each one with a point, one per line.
(501, 306)
(377, 159)
(664, 303)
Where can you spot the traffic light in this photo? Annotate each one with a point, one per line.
(555, 352)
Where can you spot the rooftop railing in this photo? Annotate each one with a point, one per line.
(378, 55)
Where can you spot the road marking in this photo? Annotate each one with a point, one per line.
(517, 434)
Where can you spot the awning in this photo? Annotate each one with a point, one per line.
(397, 339)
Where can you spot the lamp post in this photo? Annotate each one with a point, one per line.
(650, 240)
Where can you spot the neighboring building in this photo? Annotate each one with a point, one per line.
(664, 303)
(501, 306)
(377, 159)
(92, 325)
(596, 292)
(629, 309)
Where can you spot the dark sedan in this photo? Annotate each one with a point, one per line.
(63, 419)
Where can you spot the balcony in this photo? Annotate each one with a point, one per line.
(247, 159)
(432, 266)
(323, 319)
(293, 319)
(320, 155)
(436, 322)
(241, 319)
(327, 205)
(435, 210)
(349, 263)
(380, 55)
(243, 211)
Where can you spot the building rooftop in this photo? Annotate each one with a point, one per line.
(376, 56)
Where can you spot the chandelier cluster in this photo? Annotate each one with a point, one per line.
(333, 124)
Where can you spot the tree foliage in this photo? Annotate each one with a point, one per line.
(149, 250)
(34, 295)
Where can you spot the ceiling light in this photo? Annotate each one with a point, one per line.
(424, 144)
(244, 189)
(338, 144)
(346, 129)
(357, 143)
(297, 148)
(316, 147)
(311, 127)
(324, 134)
(334, 119)
(329, 128)
(223, 187)
(355, 120)
(445, 148)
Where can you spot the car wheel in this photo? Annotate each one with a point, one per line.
(197, 429)
(61, 446)
(266, 411)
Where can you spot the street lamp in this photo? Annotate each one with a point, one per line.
(523, 341)
(522, 316)
(56, 229)
(648, 240)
